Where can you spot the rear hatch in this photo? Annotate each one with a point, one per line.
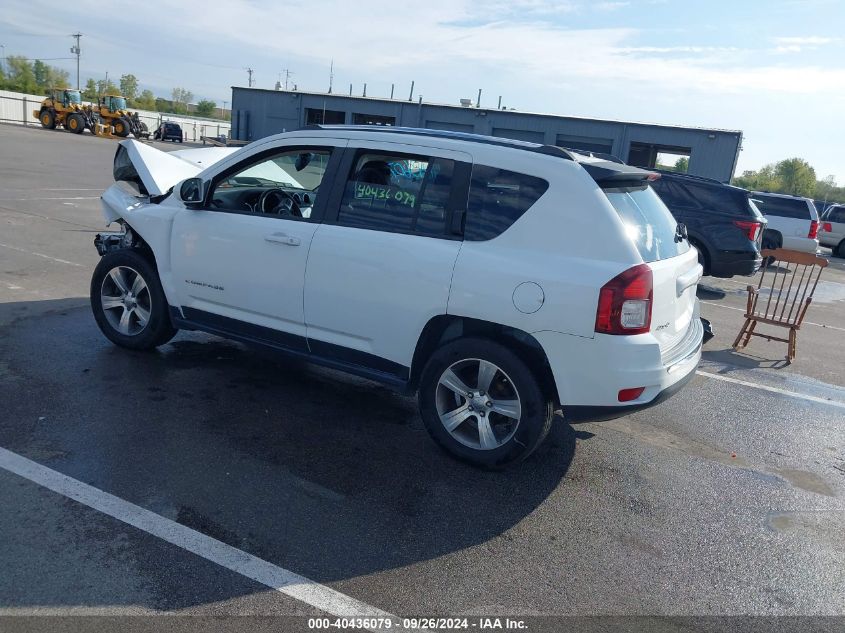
(661, 243)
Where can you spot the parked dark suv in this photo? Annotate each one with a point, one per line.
(168, 131)
(722, 222)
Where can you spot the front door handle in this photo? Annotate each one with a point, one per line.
(283, 238)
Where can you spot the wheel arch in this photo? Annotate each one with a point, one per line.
(774, 233)
(444, 328)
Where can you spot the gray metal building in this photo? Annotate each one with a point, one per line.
(713, 153)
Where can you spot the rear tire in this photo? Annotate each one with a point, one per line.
(840, 250)
(128, 302)
(48, 119)
(75, 123)
(771, 240)
(482, 404)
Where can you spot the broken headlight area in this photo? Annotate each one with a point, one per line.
(114, 240)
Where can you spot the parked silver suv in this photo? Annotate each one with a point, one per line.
(832, 229)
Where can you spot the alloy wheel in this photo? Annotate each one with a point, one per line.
(478, 404)
(126, 301)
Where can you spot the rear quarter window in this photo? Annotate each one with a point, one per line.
(497, 199)
(783, 207)
(648, 223)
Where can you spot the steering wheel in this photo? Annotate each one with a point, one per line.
(279, 202)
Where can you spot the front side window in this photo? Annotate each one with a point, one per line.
(397, 193)
(283, 184)
(648, 223)
(497, 199)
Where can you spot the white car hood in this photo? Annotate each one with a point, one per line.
(159, 171)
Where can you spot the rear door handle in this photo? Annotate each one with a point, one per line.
(283, 238)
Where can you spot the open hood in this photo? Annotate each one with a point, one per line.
(155, 172)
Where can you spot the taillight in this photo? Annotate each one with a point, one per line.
(814, 230)
(827, 228)
(625, 302)
(751, 229)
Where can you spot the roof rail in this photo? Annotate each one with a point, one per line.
(586, 152)
(549, 150)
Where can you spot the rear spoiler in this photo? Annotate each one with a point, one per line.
(609, 174)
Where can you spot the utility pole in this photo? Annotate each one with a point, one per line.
(76, 51)
(288, 75)
(249, 71)
(331, 76)
(3, 48)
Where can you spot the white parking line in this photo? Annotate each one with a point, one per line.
(54, 259)
(62, 198)
(287, 582)
(784, 392)
(828, 327)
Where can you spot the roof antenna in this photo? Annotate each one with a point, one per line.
(331, 75)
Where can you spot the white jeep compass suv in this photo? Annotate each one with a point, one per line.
(500, 280)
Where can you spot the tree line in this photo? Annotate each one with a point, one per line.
(793, 176)
(36, 77)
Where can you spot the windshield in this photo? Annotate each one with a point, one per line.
(73, 96)
(118, 103)
(297, 170)
(648, 223)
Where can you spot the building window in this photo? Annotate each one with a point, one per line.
(372, 119)
(318, 116)
(651, 155)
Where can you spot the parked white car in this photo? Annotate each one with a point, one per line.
(793, 222)
(500, 280)
(832, 229)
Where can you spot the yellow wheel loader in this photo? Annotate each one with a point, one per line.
(112, 112)
(109, 117)
(62, 108)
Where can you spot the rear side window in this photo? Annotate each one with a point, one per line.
(836, 214)
(397, 193)
(648, 223)
(783, 207)
(497, 199)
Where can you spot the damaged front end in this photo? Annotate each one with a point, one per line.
(107, 242)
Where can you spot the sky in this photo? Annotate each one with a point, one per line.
(774, 69)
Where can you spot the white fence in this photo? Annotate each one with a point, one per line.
(16, 107)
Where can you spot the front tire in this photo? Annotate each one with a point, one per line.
(75, 123)
(121, 127)
(48, 119)
(481, 403)
(128, 302)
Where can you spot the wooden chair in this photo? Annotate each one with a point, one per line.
(786, 304)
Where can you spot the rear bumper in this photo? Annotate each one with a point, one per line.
(730, 263)
(590, 372)
(803, 244)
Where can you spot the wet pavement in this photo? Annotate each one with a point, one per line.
(727, 499)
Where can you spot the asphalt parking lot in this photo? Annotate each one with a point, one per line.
(728, 499)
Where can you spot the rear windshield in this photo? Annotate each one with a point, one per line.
(796, 208)
(648, 223)
(687, 195)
